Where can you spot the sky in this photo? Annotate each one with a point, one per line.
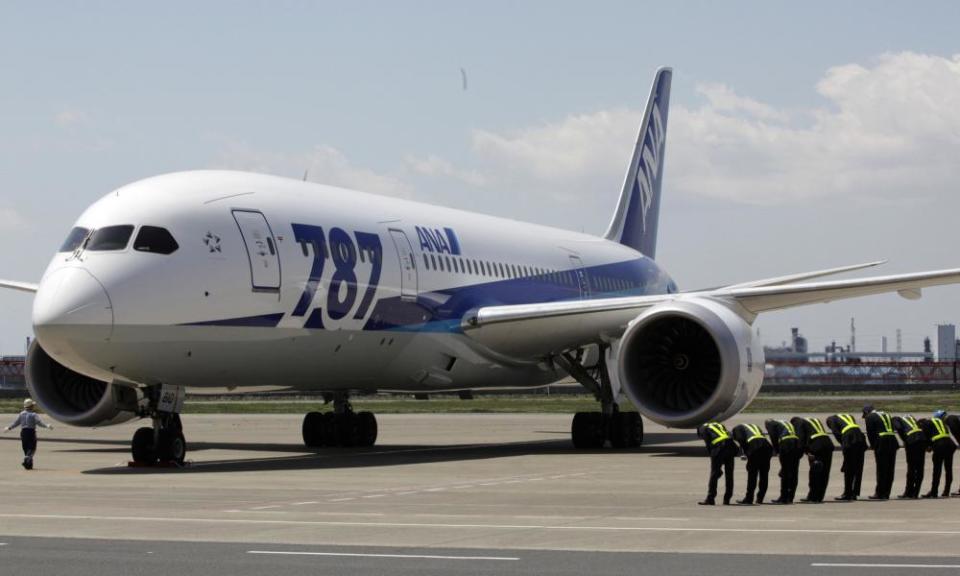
(801, 135)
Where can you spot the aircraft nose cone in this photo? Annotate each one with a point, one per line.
(71, 305)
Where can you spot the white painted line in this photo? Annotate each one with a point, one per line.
(265, 507)
(159, 519)
(407, 493)
(374, 495)
(840, 565)
(342, 499)
(303, 503)
(406, 556)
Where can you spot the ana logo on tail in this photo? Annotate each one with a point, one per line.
(650, 163)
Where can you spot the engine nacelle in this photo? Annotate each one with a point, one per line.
(73, 398)
(687, 362)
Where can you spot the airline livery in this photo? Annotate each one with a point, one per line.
(218, 279)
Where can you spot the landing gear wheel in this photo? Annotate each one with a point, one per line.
(172, 446)
(329, 427)
(366, 429)
(626, 430)
(587, 430)
(313, 429)
(347, 432)
(142, 447)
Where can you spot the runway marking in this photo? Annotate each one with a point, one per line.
(374, 495)
(265, 507)
(405, 556)
(841, 565)
(568, 528)
(303, 503)
(342, 499)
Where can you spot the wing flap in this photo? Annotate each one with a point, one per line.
(21, 286)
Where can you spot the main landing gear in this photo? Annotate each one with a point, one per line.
(164, 442)
(591, 430)
(342, 427)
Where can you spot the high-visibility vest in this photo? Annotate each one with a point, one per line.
(719, 432)
(757, 433)
(942, 431)
(817, 427)
(849, 423)
(791, 432)
(912, 423)
(887, 424)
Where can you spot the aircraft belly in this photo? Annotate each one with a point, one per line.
(297, 359)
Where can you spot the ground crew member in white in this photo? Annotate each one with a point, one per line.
(28, 420)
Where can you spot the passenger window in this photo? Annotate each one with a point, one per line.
(74, 239)
(110, 238)
(156, 240)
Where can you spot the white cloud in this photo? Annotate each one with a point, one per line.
(323, 164)
(70, 117)
(887, 132)
(434, 166)
(10, 219)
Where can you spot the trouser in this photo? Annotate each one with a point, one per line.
(916, 460)
(885, 455)
(820, 460)
(758, 472)
(721, 464)
(789, 455)
(28, 440)
(853, 469)
(942, 458)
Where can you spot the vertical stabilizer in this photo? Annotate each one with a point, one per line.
(634, 223)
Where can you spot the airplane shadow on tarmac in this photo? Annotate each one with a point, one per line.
(298, 457)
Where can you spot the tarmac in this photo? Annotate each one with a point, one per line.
(503, 485)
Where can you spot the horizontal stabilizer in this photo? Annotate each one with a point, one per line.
(22, 286)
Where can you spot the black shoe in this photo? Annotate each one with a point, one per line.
(844, 498)
(726, 501)
(707, 502)
(25, 465)
(929, 495)
(878, 497)
(945, 495)
(904, 497)
(745, 502)
(28, 465)
(806, 500)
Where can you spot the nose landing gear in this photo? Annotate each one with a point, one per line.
(164, 442)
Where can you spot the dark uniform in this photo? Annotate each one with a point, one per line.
(883, 442)
(854, 444)
(758, 451)
(953, 423)
(722, 452)
(915, 445)
(943, 448)
(819, 447)
(786, 445)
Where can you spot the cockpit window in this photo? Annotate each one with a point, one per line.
(110, 238)
(74, 239)
(155, 240)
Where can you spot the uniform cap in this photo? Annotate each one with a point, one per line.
(28, 403)
(939, 413)
(867, 409)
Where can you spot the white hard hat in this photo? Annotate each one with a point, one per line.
(28, 403)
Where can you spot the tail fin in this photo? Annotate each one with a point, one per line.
(634, 223)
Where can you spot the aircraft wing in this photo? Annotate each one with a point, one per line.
(22, 286)
(538, 330)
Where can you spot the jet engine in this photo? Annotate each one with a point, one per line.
(687, 362)
(72, 398)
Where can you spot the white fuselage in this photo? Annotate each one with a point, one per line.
(288, 284)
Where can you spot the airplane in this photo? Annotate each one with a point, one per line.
(222, 279)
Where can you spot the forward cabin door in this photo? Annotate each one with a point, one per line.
(261, 250)
(408, 266)
(582, 279)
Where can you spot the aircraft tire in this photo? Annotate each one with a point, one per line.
(328, 427)
(172, 446)
(626, 430)
(347, 429)
(312, 429)
(587, 430)
(367, 429)
(141, 447)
